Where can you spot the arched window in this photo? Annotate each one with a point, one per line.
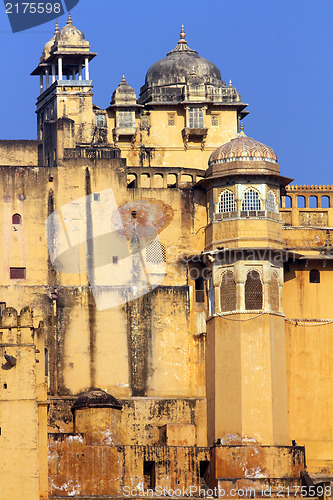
(271, 202)
(274, 292)
(314, 276)
(228, 292)
(16, 219)
(226, 201)
(251, 200)
(253, 291)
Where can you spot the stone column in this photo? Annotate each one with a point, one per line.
(86, 65)
(53, 73)
(60, 68)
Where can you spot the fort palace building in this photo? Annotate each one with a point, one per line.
(165, 296)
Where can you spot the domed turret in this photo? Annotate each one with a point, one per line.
(242, 148)
(167, 79)
(48, 46)
(242, 155)
(179, 64)
(70, 37)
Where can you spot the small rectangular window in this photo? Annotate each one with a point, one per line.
(215, 120)
(100, 121)
(199, 290)
(17, 273)
(115, 259)
(171, 120)
(97, 197)
(2, 307)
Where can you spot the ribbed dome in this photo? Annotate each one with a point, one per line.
(180, 64)
(242, 148)
(96, 399)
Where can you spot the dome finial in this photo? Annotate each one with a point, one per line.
(182, 35)
(241, 133)
(123, 79)
(69, 20)
(56, 29)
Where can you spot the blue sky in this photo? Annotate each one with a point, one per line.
(278, 55)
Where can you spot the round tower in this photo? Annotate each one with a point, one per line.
(246, 365)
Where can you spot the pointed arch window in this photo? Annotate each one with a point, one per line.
(253, 291)
(251, 200)
(226, 201)
(228, 292)
(271, 202)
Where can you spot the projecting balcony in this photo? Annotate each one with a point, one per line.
(194, 133)
(124, 132)
(240, 214)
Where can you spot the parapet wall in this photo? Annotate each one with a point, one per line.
(19, 153)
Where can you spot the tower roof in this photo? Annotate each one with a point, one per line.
(242, 148)
(175, 70)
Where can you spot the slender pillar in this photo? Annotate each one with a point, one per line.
(74, 76)
(60, 68)
(80, 71)
(86, 65)
(41, 84)
(53, 73)
(47, 79)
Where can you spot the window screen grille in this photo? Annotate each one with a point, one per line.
(271, 203)
(226, 202)
(253, 291)
(195, 118)
(17, 273)
(155, 253)
(251, 200)
(171, 120)
(274, 292)
(228, 292)
(215, 121)
(125, 119)
(100, 121)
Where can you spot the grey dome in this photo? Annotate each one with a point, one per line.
(178, 66)
(182, 66)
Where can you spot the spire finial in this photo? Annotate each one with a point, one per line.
(123, 79)
(182, 35)
(242, 127)
(56, 29)
(69, 20)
